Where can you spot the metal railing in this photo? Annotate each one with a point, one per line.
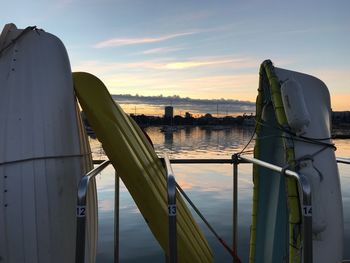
(171, 188)
(83, 188)
(343, 160)
(304, 190)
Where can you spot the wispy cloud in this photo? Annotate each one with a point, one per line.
(229, 62)
(192, 64)
(161, 50)
(117, 42)
(211, 61)
(226, 61)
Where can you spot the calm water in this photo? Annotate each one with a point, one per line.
(209, 187)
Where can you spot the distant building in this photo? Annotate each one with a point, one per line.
(168, 112)
(188, 115)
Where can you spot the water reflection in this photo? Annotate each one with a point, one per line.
(209, 187)
(190, 141)
(168, 139)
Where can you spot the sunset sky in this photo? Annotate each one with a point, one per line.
(198, 49)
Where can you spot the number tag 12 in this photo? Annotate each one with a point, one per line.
(81, 211)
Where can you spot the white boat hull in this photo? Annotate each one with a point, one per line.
(322, 172)
(293, 131)
(43, 152)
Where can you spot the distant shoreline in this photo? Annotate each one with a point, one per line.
(337, 133)
(340, 127)
(340, 136)
(341, 131)
(167, 129)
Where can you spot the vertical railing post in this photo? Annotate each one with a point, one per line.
(235, 203)
(81, 220)
(306, 209)
(304, 191)
(172, 219)
(116, 218)
(83, 187)
(172, 209)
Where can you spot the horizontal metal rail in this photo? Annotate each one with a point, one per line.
(166, 162)
(304, 189)
(201, 161)
(81, 210)
(98, 161)
(343, 160)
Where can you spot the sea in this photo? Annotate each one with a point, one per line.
(210, 187)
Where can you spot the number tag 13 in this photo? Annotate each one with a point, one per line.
(172, 210)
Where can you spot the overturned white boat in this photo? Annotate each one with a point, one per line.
(43, 151)
(294, 132)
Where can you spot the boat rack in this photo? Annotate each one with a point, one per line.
(304, 190)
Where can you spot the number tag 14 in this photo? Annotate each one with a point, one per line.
(307, 210)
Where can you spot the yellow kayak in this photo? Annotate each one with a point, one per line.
(140, 169)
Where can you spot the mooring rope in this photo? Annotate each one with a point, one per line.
(44, 158)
